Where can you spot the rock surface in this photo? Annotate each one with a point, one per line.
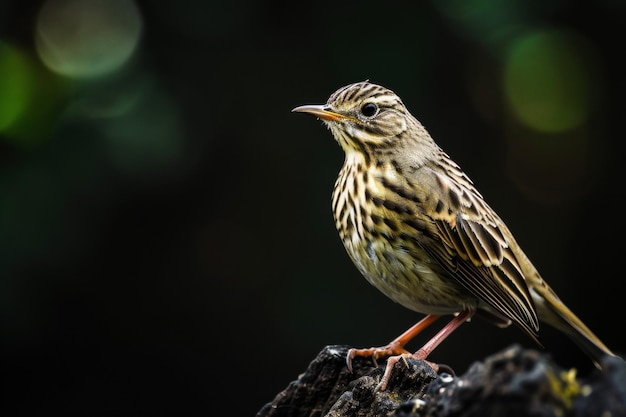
(514, 382)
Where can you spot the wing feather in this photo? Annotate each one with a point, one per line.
(476, 252)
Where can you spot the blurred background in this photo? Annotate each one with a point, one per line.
(166, 240)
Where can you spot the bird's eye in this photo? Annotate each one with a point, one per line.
(369, 109)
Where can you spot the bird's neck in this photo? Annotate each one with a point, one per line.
(348, 194)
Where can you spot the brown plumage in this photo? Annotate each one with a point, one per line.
(418, 230)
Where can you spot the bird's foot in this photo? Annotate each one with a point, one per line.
(391, 362)
(392, 349)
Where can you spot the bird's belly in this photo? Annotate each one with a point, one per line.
(406, 275)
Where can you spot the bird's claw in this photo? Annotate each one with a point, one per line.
(375, 353)
(442, 367)
(391, 362)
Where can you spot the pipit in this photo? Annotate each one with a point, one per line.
(418, 230)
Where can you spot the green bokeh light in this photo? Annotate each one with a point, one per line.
(87, 38)
(15, 85)
(491, 22)
(546, 80)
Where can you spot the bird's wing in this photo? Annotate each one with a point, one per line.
(476, 250)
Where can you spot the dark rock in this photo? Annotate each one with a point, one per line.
(513, 383)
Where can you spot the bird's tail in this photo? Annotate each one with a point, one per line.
(554, 312)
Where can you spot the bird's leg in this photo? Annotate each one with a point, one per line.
(395, 347)
(441, 335)
(423, 353)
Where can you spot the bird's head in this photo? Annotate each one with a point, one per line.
(363, 116)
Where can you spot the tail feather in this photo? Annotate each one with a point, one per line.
(553, 311)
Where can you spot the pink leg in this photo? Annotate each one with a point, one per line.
(395, 347)
(461, 318)
(423, 353)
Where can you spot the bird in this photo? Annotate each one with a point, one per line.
(416, 227)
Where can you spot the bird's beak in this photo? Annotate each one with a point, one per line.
(321, 112)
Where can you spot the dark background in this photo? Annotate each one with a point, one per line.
(166, 240)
